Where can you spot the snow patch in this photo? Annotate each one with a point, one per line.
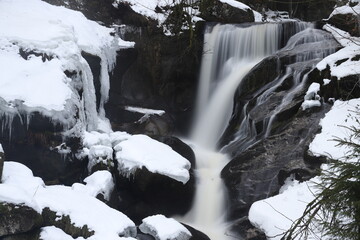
(312, 99)
(146, 111)
(163, 228)
(1, 149)
(326, 81)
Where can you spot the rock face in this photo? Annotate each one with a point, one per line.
(16, 219)
(269, 133)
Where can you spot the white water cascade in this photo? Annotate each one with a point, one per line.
(230, 52)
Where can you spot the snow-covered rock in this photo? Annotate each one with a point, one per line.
(80, 206)
(142, 151)
(311, 98)
(100, 182)
(344, 62)
(163, 228)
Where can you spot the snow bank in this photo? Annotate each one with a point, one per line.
(21, 185)
(311, 98)
(163, 228)
(142, 151)
(100, 182)
(276, 214)
(333, 125)
(349, 64)
(31, 56)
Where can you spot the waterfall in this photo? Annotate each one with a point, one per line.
(230, 52)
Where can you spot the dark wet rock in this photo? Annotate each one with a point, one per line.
(2, 159)
(142, 236)
(246, 231)
(16, 219)
(64, 223)
(32, 235)
(347, 22)
(148, 124)
(259, 172)
(196, 234)
(216, 11)
(145, 193)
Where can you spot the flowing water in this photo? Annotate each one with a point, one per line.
(230, 52)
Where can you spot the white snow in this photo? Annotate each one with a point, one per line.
(142, 151)
(351, 49)
(107, 223)
(163, 228)
(276, 214)
(311, 98)
(326, 81)
(61, 34)
(1, 149)
(100, 154)
(159, 10)
(100, 182)
(334, 126)
(133, 152)
(54, 233)
(146, 111)
(236, 4)
(346, 9)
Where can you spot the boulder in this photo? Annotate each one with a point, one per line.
(145, 193)
(16, 219)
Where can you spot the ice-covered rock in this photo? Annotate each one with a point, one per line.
(163, 228)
